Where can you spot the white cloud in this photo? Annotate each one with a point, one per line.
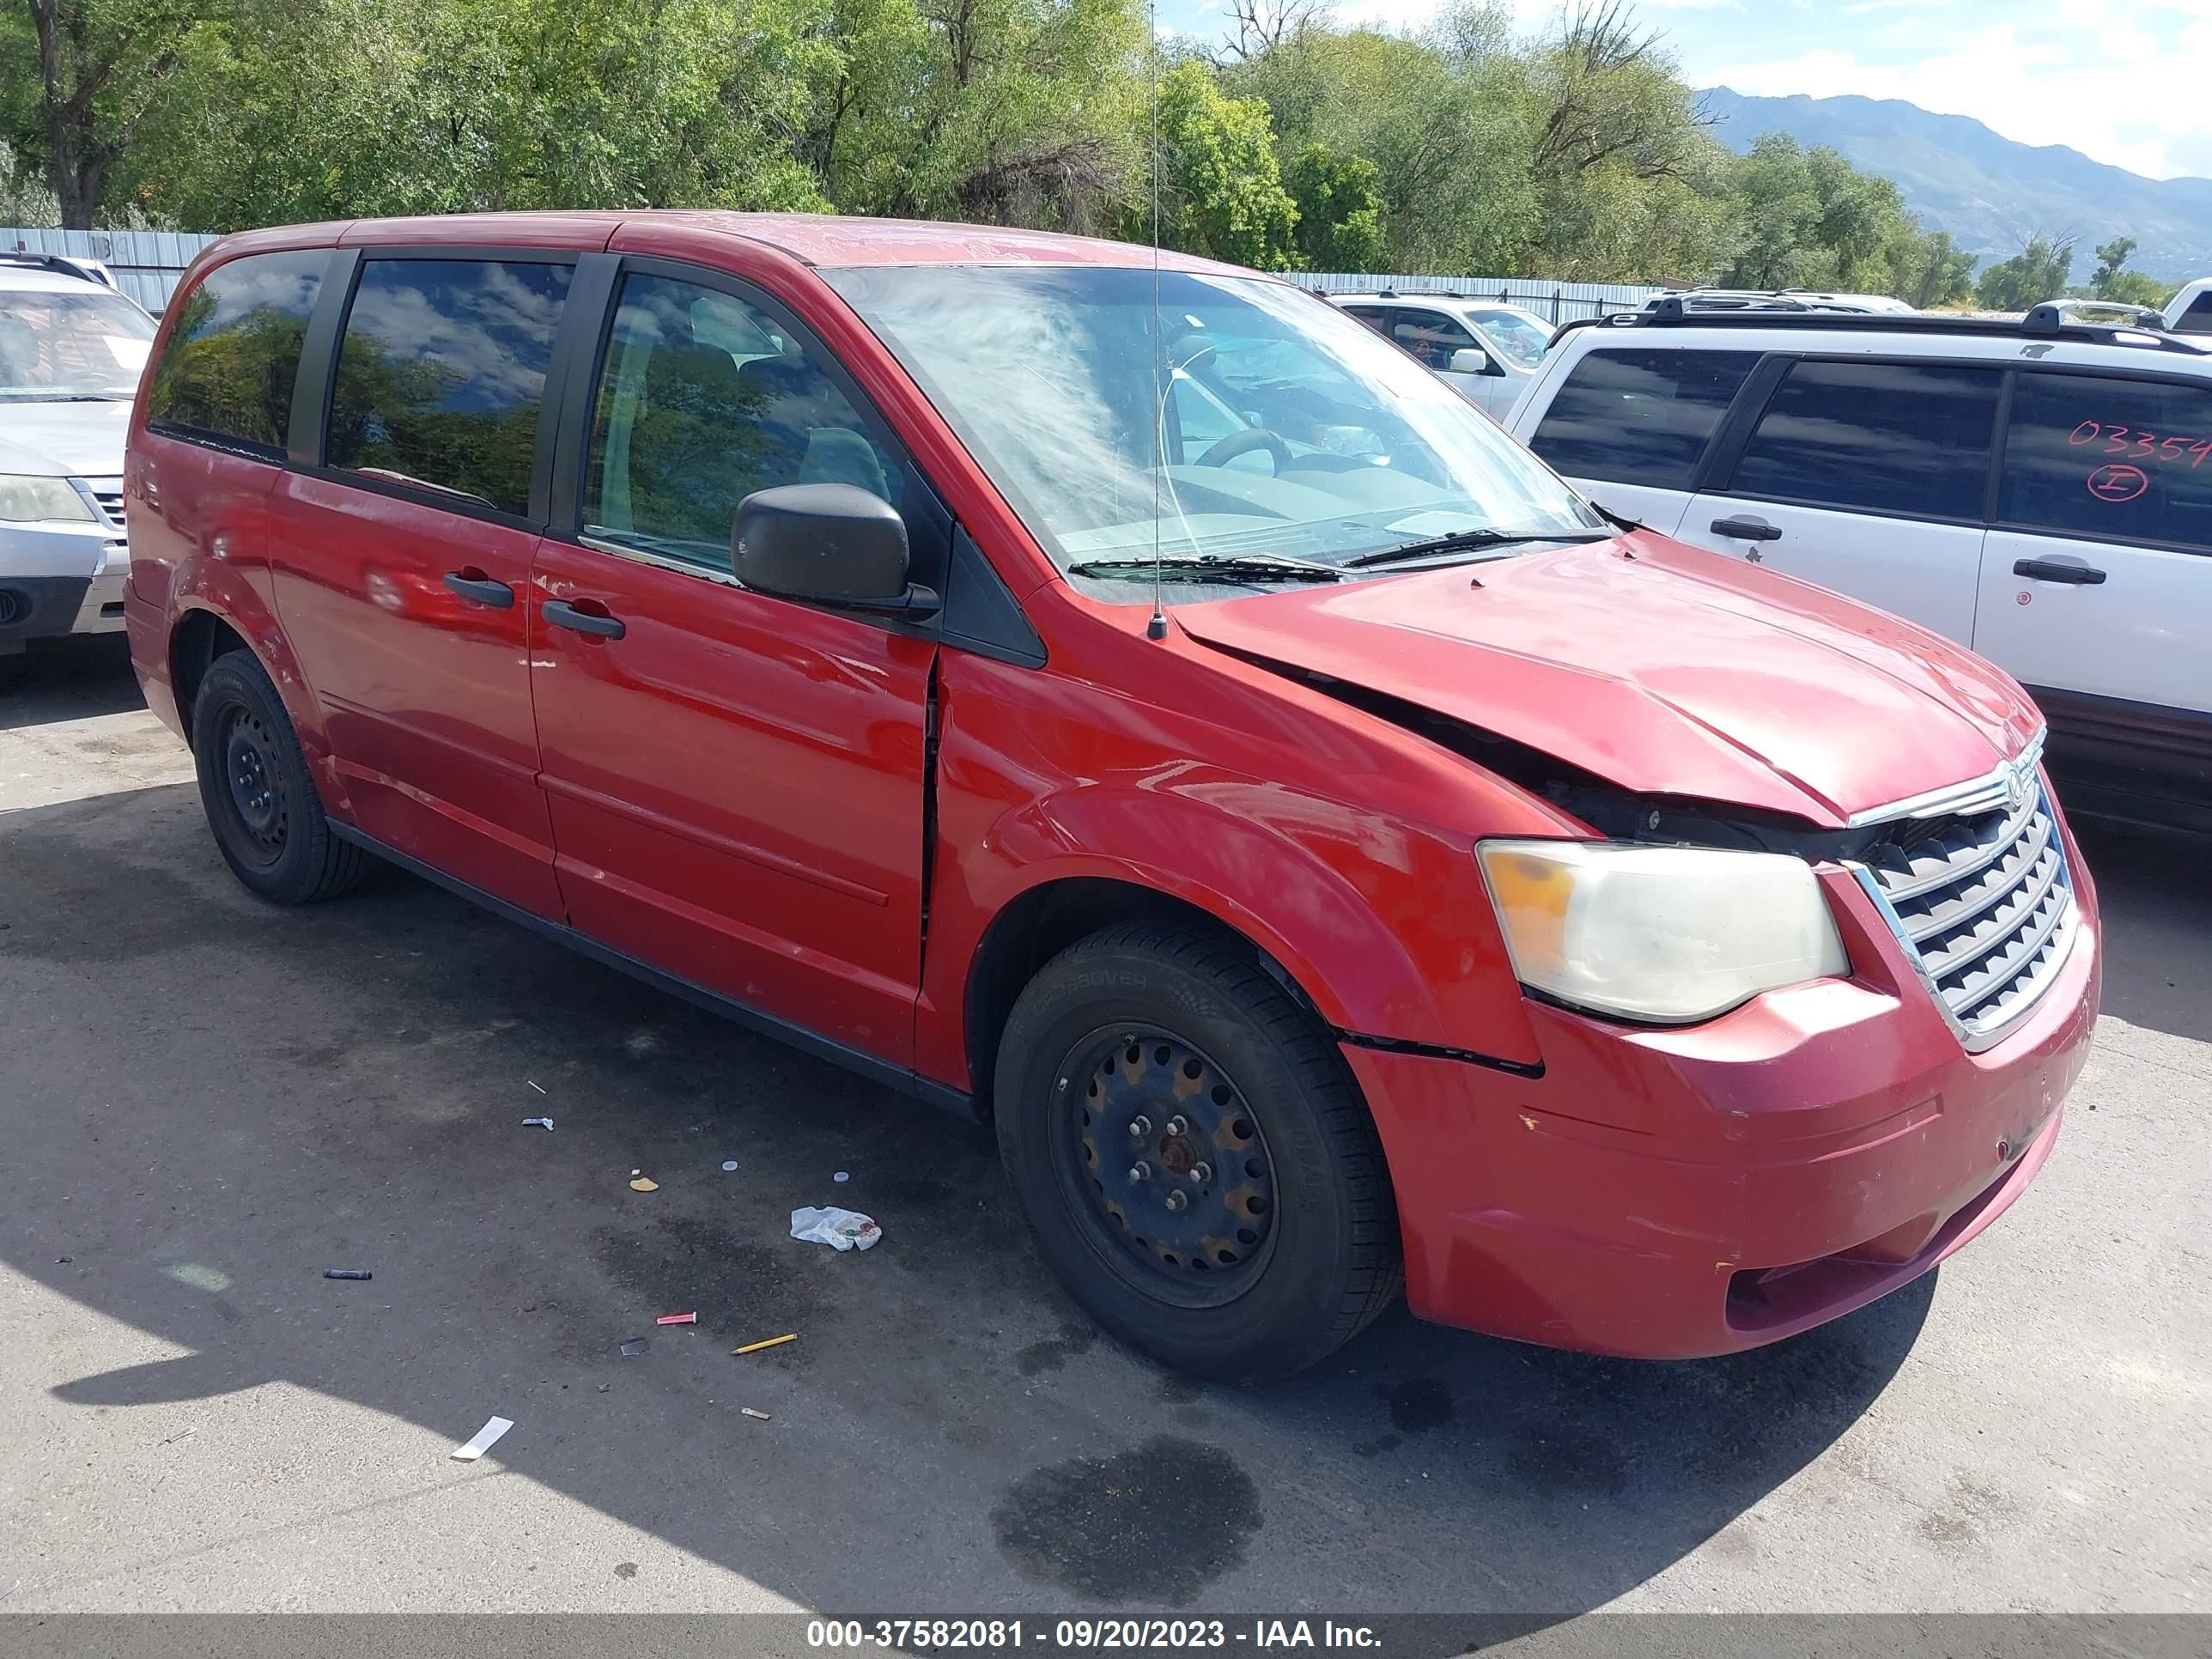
(2112, 89)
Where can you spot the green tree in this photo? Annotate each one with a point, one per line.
(1932, 271)
(1220, 185)
(102, 67)
(2127, 287)
(1340, 203)
(2038, 272)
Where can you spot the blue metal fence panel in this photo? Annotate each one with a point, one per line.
(1556, 302)
(146, 262)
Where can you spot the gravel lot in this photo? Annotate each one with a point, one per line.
(205, 1102)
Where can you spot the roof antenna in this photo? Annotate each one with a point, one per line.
(1157, 629)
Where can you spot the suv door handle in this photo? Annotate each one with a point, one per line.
(1746, 529)
(561, 614)
(2050, 570)
(481, 589)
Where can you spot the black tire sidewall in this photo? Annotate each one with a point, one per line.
(237, 680)
(1288, 1315)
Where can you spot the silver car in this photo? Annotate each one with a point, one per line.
(71, 350)
(1486, 348)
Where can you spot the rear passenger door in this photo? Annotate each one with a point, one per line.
(2096, 585)
(1630, 425)
(735, 780)
(1868, 477)
(401, 543)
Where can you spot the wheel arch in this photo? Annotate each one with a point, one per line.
(1045, 919)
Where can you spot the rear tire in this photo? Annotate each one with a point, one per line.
(1193, 1157)
(260, 801)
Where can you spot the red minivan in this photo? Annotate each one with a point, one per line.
(1132, 704)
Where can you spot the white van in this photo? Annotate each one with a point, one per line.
(2038, 489)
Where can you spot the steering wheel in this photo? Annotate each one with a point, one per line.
(1243, 443)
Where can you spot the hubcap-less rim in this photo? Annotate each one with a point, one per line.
(253, 780)
(1164, 1161)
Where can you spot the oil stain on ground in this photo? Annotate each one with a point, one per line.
(1094, 1525)
(1051, 1354)
(1418, 1406)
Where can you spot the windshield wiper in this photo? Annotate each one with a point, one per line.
(1464, 540)
(1240, 571)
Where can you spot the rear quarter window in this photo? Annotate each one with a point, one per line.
(2089, 456)
(227, 371)
(1640, 416)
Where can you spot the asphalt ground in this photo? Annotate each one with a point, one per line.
(205, 1102)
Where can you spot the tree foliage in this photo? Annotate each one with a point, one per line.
(1470, 147)
(2039, 271)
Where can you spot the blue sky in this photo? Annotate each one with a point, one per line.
(2127, 83)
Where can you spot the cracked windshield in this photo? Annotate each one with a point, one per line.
(1256, 437)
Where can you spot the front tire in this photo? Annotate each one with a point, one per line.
(261, 803)
(1192, 1155)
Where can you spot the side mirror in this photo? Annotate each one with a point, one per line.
(828, 543)
(1470, 359)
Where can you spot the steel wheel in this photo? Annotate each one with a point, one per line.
(1164, 1166)
(256, 793)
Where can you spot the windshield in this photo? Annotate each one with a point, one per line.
(1521, 336)
(1289, 431)
(71, 345)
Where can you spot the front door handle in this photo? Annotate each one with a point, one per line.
(481, 590)
(2050, 570)
(1746, 529)
(561, 614)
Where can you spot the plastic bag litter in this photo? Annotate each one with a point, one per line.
(841, 1229)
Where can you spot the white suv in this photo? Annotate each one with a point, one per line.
(2037, 489)
(1485, 349)
(71, 351)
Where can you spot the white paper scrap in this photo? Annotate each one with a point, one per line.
(484, 1439)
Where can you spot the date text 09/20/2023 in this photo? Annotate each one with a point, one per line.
(994, 1634)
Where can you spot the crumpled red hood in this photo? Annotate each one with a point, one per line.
(1662, 668)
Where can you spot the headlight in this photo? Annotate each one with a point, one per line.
(25, 496)
(1663, 935)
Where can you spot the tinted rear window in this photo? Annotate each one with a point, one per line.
(228, 369)
(1904, 438)
(441, 373)
(2094, 457)
(1640, 416)
(2196, 319)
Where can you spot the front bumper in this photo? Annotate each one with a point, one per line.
(1674, 1194)
(65, 578)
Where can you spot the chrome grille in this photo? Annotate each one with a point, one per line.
(107, 495)
(1985, 904)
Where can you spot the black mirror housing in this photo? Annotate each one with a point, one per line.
(829, 543)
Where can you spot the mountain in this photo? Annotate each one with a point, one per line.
(1987, 191)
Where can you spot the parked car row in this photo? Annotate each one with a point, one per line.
(1131, 703)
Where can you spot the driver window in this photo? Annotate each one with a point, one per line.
(1430, 336)
(704, 400)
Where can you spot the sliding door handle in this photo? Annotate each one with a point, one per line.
(1748, 530)
(561, 614)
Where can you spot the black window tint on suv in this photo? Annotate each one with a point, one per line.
(441, 373)
(228, 369)
(1909, 439)
(2089, 456)
(1640, 416)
